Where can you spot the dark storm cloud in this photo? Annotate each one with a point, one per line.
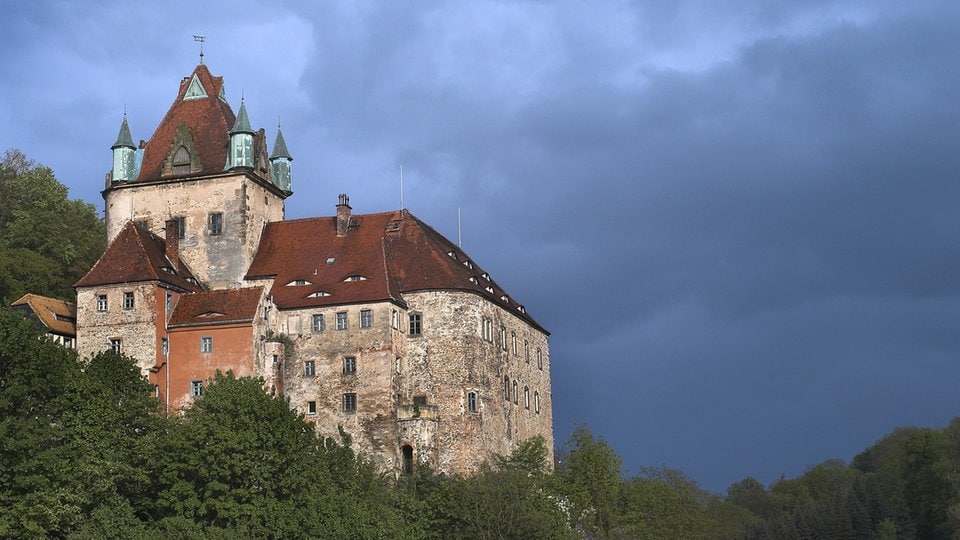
(739, 224)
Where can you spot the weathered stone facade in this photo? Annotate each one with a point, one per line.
(370, 323)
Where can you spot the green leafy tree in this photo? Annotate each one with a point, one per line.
(591, 481)
(47, 241)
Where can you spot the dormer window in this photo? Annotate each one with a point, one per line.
(452, 254)
(489, 289)
(355, 278)
(181, 161)
(485, 276)
(318, 294)
(298, 283)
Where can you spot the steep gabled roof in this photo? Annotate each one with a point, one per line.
(57, 315)
(137, 255)
(208, 117)
(228, 306)
(381, 257)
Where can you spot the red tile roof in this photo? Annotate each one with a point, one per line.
(137, 255)
(57, 315)
(391, 253)
(228, 306)
(209, 120)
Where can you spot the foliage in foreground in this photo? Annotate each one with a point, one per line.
(83, 454)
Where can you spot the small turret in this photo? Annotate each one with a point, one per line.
(124, 163)
(280, 163)
(241, 141)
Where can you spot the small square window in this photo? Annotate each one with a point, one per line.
(416, 324)
(116, 345)
(366, 318)
(216, 223)
(419, 401)
(311, 407)
(101, 302)
(350, 402)
(128, 300)
(350, 365)
(318, 323)
(342, 320)
(196, 388)
(309, 368)
(206, 344)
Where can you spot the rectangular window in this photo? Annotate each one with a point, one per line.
(419, 401)
(309, 368)
(68, 342)
(513, 337)
(539, 358)
(350, 402)
(181, 227)
(116, 345)
(165, 347)
(311, 407)
(342, 320)
(216, 223)
(350, 365)
(366, 318)
(318, 324)
(416, 322)
(526, 350)
(128, 300)
(472, 401)
(526, 397)
(196, 388)
(503, 337)
(101, 302)
(536, 402)
(206, 344)
(394, 320)
(169, 305)
(487, 329)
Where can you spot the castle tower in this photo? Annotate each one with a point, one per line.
(280, 163)
(207, 169)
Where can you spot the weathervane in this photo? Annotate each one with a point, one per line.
(200, 39)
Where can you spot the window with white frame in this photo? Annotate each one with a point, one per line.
(342, 320)
(116, 345)
(394, 320)
(416, 324)
(539, 358)
(366, 318)
(526, 397)
(128, 300)
(487, 329)
(318, 323)
(309, 368)
(206, 344)
(101, 302)
(513, 339)
(536, 402)
(503, 337)
(349, 365)
(196, 388)
(311, 407)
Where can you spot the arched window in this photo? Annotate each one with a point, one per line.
(536, 402)
(407, 451)
(181, 161)
(526, 397)
(516, 394)
(506, 388)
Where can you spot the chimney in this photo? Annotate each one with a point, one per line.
(343, 215)
(172, 243)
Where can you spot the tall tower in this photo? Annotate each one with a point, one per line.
(207, 169)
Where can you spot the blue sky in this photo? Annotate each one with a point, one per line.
(737, 219)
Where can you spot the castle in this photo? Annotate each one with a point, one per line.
(374, 323)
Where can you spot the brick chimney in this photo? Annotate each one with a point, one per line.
(343, 215)
(172, 242)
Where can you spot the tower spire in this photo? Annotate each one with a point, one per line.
(199, 38)
(280, 162)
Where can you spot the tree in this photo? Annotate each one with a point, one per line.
(47, 241)
(591, 478)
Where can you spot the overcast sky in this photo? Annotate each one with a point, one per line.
(738, 219)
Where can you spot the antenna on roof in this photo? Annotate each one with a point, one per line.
(200, 39)
(459, 239)
(401, 189)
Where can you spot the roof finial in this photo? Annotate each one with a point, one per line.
(200, 39)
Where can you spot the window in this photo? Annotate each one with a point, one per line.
(539, 358)
(349, 365)
(536, 402)
(526, 350)
(526, 397)
(165, 347)
(311, 407)
(181, 226)
(206, 344)
(68, 342)
(196, 388)
(503, 337)
(216, 223)
(128, 300)
(342, 320)
(309, 368)
(116, 345)
(350, 402)
(506, 388)
(318, 324)
(416, 324)
(366, 318)
(101, 302)
(513, 337)
(142, 223)
(394, 320)
(276, 359)
(181, 161)
(516, 397)
(487, 329)
(407, 452)
(419, 401)
(472, 401)
(168, 307)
